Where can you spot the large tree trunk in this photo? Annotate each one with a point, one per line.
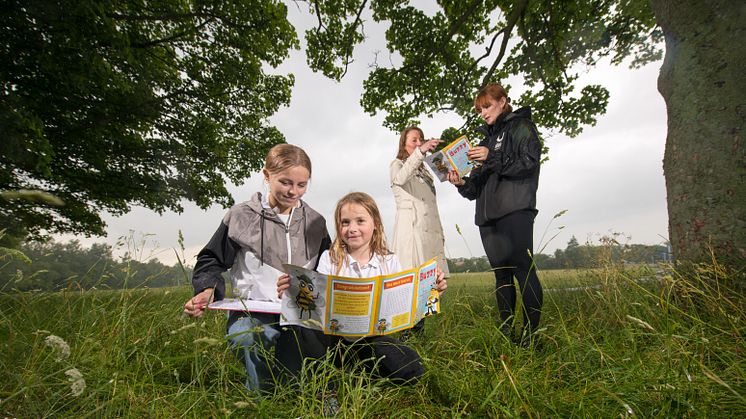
(702, 81)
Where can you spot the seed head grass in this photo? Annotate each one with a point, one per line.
(613, 342)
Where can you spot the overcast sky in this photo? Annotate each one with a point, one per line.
(609, 179)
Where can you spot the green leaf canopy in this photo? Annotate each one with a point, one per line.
(440, 56)
(106, 104)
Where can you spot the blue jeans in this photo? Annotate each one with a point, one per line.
(252, 335)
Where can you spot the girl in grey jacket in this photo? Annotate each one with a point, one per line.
(254, 239)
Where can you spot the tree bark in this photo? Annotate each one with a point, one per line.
(702, 81)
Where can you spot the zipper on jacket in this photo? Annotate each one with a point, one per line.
(287, 236)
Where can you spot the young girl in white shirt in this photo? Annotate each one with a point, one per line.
(360, 251)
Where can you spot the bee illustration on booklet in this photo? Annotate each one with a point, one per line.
(334, 325)
(382, 326)
(305, 300)
(432, 303)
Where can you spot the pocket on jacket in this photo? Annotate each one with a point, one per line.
(406, 215)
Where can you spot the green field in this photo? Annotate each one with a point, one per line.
(663, 346)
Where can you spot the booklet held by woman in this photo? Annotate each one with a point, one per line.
(451, 157)
(360, 306)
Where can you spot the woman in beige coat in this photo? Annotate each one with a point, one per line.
(418, 234)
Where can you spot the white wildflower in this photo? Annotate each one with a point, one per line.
(59, 345)
(77, 382)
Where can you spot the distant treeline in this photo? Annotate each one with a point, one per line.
(576, 255)
(54, 266)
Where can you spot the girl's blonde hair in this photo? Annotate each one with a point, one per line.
(402, 154)
(338, 250)
(285, 156)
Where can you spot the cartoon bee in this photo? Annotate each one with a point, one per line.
(304, 299)
(382, 325)
(432, 303)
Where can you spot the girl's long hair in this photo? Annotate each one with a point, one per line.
(338, 250)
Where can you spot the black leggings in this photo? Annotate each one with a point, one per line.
(507, 242)
(385, 356)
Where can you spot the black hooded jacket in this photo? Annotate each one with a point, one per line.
(507, 181)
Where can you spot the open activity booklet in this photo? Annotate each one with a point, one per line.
(360, 306)
(452, 156)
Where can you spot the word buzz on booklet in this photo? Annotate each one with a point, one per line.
(451, 157)
(344, 306)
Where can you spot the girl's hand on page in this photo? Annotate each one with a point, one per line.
(440, 282)
(283, 283)
(196, 305)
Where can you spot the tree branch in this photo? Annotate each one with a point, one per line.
(318, 15)
(352, 29)
(148, 18)
(172, 37)
(520, 7)
(488, 50)
(456, 25)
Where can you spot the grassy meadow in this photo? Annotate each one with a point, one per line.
(630, 343)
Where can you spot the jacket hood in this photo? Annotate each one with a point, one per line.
(255, 203)
(524, 112)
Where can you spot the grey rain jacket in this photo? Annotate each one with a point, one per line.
(507, 181)
(253, 243)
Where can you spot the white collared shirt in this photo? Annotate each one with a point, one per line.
(377, 265)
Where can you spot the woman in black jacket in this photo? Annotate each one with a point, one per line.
(504, 186)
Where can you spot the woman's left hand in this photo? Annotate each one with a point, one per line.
(440, 282)
(478, 153)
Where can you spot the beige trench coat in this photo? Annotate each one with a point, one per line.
(418, 234)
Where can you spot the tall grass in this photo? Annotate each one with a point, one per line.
(619, 346)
